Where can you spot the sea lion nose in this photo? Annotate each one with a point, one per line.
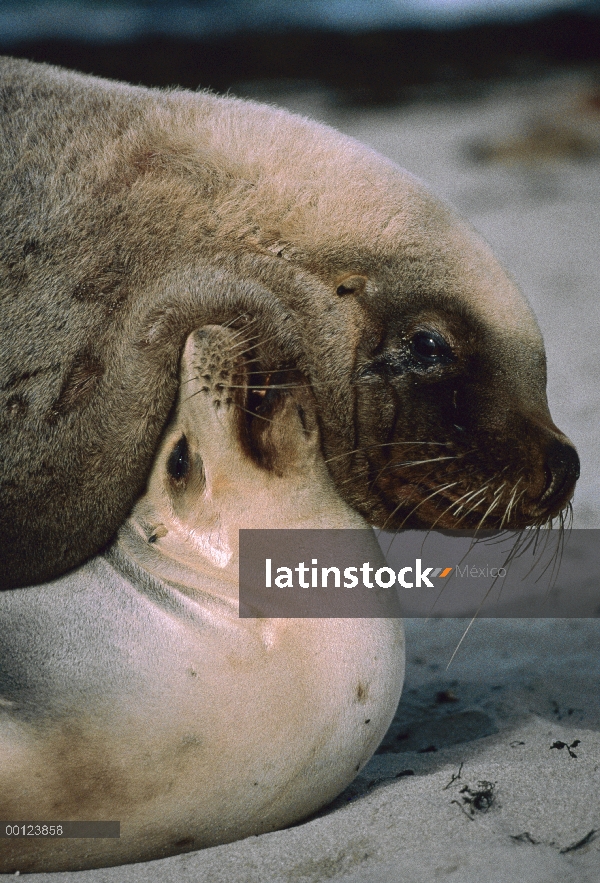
(562, 470)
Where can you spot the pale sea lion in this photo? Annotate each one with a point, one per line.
(131, 690)
(132, 216)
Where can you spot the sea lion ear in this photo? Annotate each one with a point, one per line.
(353, 284)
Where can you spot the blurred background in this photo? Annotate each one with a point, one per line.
(495, 103)
(360, 52)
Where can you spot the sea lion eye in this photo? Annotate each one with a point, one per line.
(430, 348)
(178, 464)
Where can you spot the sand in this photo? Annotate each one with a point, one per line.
(491, 769)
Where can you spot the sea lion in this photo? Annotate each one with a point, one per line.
(131, 690)
(132, 216)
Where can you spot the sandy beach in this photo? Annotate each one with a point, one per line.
(491, 768)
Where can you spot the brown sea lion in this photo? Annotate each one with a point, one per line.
(131, 216)
(130, 688)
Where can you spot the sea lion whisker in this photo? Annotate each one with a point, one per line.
(242, 341)
(510, 505)
(471, 496)
(525, 540)
(239, 331)
(249, 320)
(464, 635)
(559, 552)
(515, 500)
(555, 559)
(245, 342)
(255, 386)
(499, 489)
(476, 614)
(425, 478)
(569, 516)
(253, 413)
(243, 345)
(261, 342)
(404, 465)
(518, 500)
(492, 506)
(391, 515)
(467, 497)
(472, 499)
(417, 462)
(383, 445)
(562, 517)
(451, 506)
(429, 497)
(243, 333)
(476, 503)
(195, 393)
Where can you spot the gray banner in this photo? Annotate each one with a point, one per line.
(45, 830)
(356, 573)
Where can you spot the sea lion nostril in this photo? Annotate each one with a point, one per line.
(562, 470)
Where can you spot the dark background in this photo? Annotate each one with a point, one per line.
(360, 61)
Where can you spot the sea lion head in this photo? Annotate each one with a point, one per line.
(425, 358)
(451, 421)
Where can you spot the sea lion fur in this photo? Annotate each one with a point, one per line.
(131, 216)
